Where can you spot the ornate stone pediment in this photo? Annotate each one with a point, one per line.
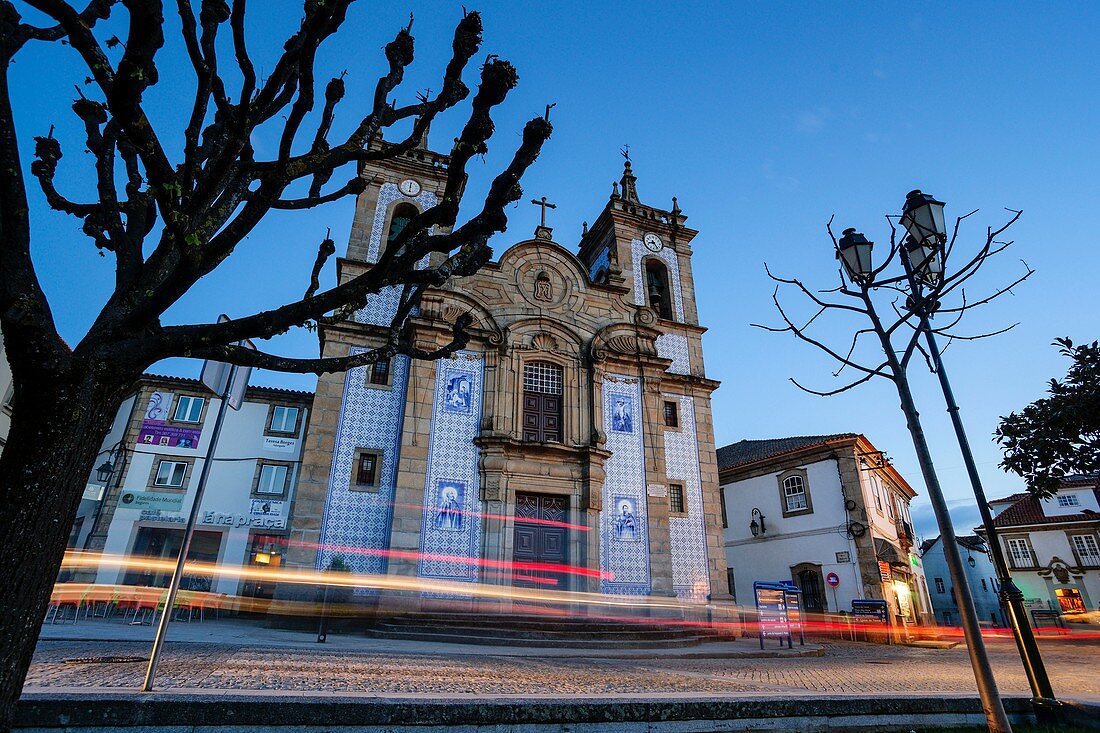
(625, 340)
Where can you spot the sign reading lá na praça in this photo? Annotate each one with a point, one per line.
(262, 514)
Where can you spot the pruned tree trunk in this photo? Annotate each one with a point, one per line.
(58, 424)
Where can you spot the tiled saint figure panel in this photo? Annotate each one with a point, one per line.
(624, 534)
(451, 527)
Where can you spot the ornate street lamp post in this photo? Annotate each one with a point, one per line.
(923, 254)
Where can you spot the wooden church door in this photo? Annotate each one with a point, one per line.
(540, 538)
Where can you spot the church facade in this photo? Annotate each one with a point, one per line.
(569, 447)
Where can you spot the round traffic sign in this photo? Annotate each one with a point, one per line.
(832, 579)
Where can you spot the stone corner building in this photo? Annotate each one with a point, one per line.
(574, 430)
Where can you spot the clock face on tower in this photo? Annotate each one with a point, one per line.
(409, 187)
(652, 242)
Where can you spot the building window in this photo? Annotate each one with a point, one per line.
(272, 479)
(672, 416)
(676, 498)
(985, 589)
(368, 465)
(730, 584)
(380, 372)
(9, 397)
(1086, 549)
(402, 215)
(939, 585)
(542, 397)
(188, 409)
(722, 503)
(1068, 500)
(656, 278)
(876, 489)
(795, 498)
(1019, 551)
(284, 419)
(170, 474)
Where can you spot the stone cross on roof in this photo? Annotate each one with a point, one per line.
(542, 231)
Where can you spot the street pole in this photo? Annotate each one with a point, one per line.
(1011, 595)
(189, 532)
(992, 706)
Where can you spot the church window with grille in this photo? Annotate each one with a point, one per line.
(659, 296)
(542, 395)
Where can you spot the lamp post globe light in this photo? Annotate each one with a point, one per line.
(923, 251)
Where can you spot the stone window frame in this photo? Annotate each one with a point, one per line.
(159, 458)
(781, 479)
(369, 373)
(565, 365)
(1082, 532)
(284, 433)
(257, 494)
(683, 500)
(191, 394)
(677, 422)
(353, 480)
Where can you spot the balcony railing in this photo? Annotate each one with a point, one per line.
(1086, 559)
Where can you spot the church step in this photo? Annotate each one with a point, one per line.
(561, 643)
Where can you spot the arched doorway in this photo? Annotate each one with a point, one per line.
(807, 577)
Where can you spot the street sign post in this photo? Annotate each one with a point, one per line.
(771, 611)
(228, 382)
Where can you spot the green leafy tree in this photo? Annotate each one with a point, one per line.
(1058, 435)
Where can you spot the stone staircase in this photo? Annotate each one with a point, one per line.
(547, 631)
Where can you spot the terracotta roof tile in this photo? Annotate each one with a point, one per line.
(749, 451)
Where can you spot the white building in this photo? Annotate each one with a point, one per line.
(826, 512)
(1053, 545)
(156, 451)
(981, 576)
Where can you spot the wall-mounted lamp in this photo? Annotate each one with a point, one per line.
(757, 528)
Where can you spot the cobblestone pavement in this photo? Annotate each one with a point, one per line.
(846, 668)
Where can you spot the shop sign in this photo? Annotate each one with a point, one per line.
(267, 508)
(155, 429)
(151, 500)
(280, 445)
(223, 519)
(885, 571)
(92, 492)
(152, 515)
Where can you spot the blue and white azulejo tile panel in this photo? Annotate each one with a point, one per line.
(356, 525)
(638, 252)
(674, 346)
(624, 533)
(382, 306)
(687, 535)
(450, 535)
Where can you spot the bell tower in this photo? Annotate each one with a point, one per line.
(645, 249)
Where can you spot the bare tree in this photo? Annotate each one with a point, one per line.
(195, 204)
(912, 299)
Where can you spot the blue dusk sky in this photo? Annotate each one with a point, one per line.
(764, 119)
